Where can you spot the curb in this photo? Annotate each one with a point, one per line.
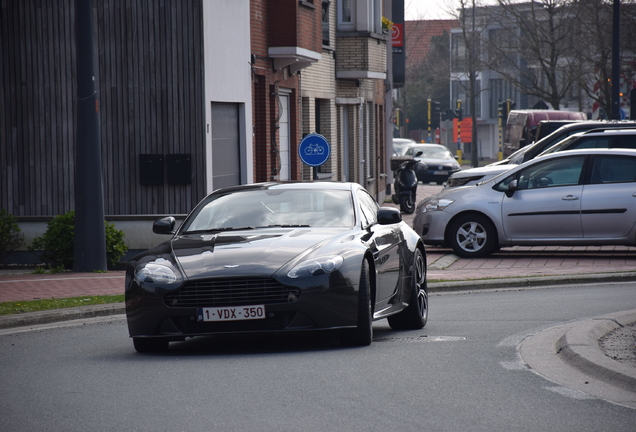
(57, 315)
(579, 348)
(530, 281)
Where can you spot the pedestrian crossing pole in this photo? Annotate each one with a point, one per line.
(500, 116)
(460, 117)
(428, 120)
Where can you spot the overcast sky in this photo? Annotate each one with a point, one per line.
(427, 9)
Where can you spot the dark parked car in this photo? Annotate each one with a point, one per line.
(278, 257)
(436, 162)
(613, 138)
(530, 152)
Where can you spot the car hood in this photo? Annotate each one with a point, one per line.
(484, 171)
(431, 161)
(250, 252)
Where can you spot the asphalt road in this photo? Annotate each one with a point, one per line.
(463, 372)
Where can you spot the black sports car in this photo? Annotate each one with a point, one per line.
(277, 257)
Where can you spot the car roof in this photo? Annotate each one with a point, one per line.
(601, 131)
(564, 153)
(585, 124)
(289, 185)
(595, 151)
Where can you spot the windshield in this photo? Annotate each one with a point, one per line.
(431, 152)
(560, 145)
(272, 208)
(399, 147)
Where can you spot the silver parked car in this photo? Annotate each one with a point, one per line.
(574, 197)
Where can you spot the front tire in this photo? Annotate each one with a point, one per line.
(415, 315)
(407, 204)
(362, 335)
(473, 236)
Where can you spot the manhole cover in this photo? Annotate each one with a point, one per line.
(423, 338)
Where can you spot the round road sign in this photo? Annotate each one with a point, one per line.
(314, 150)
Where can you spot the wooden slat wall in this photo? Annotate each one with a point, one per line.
(150, 75)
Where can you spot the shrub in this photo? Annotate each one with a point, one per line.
(11, 237)
(56, 245)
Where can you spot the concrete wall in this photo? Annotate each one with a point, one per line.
(226, 30)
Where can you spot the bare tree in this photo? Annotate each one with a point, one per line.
(530, 45)
(592, 44)
(428, 78)
(468, 60)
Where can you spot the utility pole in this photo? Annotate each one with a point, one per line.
(89, 253)
(473, 59)
(616, 62)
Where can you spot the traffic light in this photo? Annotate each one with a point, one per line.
(459, 111)
(448, 114)
(399, 121)
(433, 111)
(502, 112)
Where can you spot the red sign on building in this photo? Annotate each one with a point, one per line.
(397, 35)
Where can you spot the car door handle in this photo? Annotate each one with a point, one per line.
(570, 198)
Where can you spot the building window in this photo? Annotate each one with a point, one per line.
(360, 15)
(345, 14)
(458, 53)
(325, 22)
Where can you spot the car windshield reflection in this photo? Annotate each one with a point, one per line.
(272, 209)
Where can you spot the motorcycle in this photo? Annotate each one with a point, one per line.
(405, 185)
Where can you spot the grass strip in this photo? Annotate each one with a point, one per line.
(17, 307)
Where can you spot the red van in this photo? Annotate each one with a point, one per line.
(521, 126)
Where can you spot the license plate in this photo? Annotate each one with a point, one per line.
(440, 172)
(231, 313)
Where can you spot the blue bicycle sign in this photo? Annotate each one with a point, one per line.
(314, 150)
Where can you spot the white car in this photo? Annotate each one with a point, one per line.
(575, 197)
(400, 145)
(472, 176)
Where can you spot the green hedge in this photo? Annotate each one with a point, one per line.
(56, 245)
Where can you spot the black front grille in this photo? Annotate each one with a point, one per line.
(231, 292)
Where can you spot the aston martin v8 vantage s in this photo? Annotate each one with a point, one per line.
(278, 257)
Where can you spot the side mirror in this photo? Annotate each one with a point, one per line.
(512, 187)
(419, 153)
(164, 225)
(389, 215)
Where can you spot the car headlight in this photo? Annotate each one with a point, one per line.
(316, 266)
(157, 272)
(436, 205)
